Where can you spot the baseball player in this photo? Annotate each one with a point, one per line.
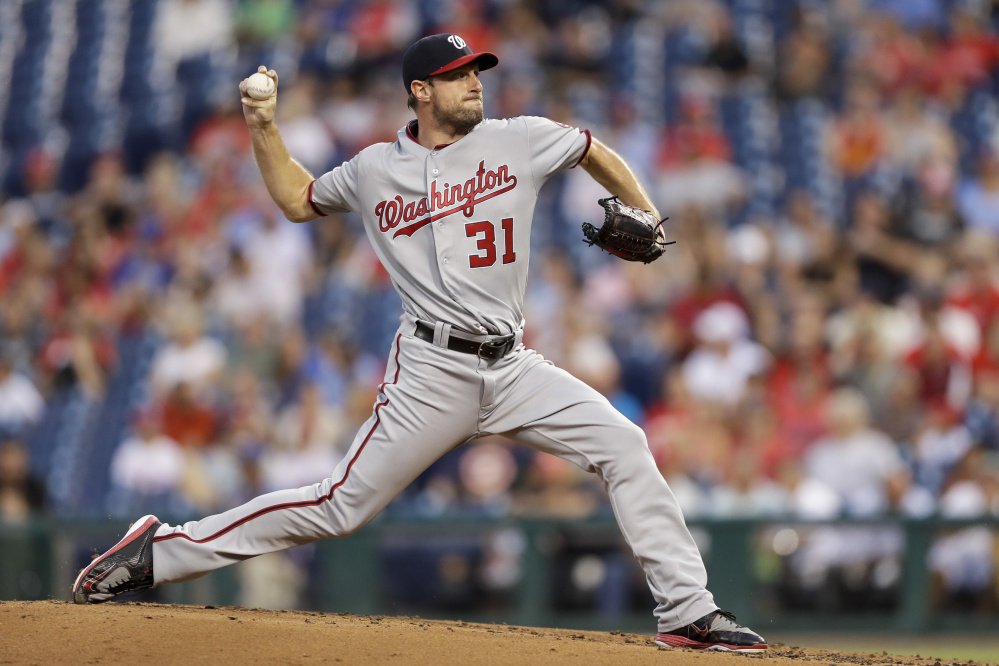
(448, 209)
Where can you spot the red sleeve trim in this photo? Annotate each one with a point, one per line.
(313, 203)
(589, 140)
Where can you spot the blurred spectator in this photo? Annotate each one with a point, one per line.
(885, 262)
(725, 53)
(694, 163)
(487, 471)
(804, 57)
(805, 246)
(77, 354)
(253, 348)
(190, 359)
(978, 196)
(916, 135)
(305, 134)
(21, 493)
(309, 436)
(383, 28)
(745, 489)
(927, 213)
(262, 22)
(592, 360)
(940, 445)
(857, 140)
(726, 359)
(969, 52)
(963, 560)
(859, 463)
(148, 467)
(187, 29)
(235, 297)
(982, 414)
(20, 402)
(798, 386)
(552, 486)
(974, 285)
(939, 361)
(280, 262)
(186, 419)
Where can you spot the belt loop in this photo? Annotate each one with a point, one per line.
(442, 331)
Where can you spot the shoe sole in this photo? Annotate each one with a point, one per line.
(716, 647)
(137, 528)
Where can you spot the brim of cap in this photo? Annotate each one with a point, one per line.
(485, 59)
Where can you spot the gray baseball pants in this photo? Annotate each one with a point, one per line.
(432, 400)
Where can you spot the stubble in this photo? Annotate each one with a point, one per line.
(459, 118)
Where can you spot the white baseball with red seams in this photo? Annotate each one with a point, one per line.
(259, 86)
(452, 227)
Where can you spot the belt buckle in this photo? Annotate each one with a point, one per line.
(494, 349)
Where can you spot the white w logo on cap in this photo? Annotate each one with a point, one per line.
(456, 41)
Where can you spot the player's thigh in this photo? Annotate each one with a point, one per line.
(422, 411)
(551, 410)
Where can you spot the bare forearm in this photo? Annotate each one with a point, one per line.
(613, 173)
(287, 181)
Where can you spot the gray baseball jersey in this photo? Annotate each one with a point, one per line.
(452, 227)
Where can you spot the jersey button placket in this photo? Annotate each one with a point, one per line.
(442, 238)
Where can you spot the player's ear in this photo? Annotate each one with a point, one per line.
(420, 90)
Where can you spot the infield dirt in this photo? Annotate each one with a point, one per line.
(47, 632)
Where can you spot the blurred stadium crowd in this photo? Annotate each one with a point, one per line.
(822, 342)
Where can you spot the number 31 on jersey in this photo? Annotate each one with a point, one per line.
(485, 235)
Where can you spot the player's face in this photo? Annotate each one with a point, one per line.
(457, 98)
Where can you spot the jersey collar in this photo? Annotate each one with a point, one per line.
(412, 131)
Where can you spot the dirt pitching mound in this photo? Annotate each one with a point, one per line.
(47, 632)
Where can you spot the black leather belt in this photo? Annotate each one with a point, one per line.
(491, 349)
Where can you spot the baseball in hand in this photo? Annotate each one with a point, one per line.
(259, 86)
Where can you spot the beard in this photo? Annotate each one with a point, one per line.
(458, 117)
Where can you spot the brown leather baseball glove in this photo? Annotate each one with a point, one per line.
(628, 232)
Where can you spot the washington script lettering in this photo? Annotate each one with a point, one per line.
(442, 202)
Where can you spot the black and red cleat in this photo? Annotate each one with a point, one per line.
(125, 567)
(717, 630)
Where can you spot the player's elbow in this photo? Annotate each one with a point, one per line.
(298, 215)
(299, 211)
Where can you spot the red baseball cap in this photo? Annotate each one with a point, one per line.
(436, 54)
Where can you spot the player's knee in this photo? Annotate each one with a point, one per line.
(345, 524)
(629, 444)
(632, 438)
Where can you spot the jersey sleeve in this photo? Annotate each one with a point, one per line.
(554, 146)
(335, 190)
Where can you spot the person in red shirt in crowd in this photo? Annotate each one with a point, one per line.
(857, 138)
(967, 55)
(695, 135)
(976, 289)
(897, 57)
(798, 386)
(186, 420)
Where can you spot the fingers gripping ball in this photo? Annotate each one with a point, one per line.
(630, 233)
(259, 86)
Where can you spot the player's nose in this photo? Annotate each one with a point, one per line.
(475, 82)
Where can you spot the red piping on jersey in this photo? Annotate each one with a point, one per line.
(409, 131)
(589, 140)
(304, 503)
(313, 203)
